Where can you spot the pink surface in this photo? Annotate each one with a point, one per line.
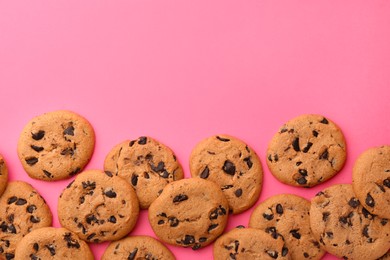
(181, 71)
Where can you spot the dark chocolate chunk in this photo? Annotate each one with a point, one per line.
(112, 219)
(226, 187)
(3, 227)
(384, 221)
(279, 209)
(68, 151)
(188, 239)
(110, 194)
(325, 216)
(173, 222)
(51, 249)
(302, 172)
(307, 147)
(238, 193)
(370, 200)
(196, 246)
(34, 219)
(134, 179)
(142, 140)
(108, 173)
(21, 202)
(386, 182)
(249, 162)
(306, 255)
(91, 236)
(48, 174)
(268, 216)
(324, 121)
(270, 157)
(75, 171)
(70, 242)
(272, 254)
(36, 246)
(12, 200)
(69, 131)
(159, 168)
(232, 256)
(146, 175)
(132, 143)
(302, 180)
(205, 173)
(180, 198)
(272, 231)
(11, 218)
(12, 229)
(164, 174)
(354, 203)
(222, 139)
(38, 135)
(329, 234)
(89, 185)
(229, 167)
(37, 148)
(324, 155)
(295, 233)
(315, 133)
(91, 219)
(284, 251)
(202, 239)
(367, 214)
(31, 160)
(9, 256)
(295, 144)
(132, 254)
(365, 231)
(160, 222)
(211, 227)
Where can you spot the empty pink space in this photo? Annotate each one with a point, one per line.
(180, 71)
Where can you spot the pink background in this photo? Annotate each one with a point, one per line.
(183, 70)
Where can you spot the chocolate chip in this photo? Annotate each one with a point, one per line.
(229, 168)
(202, 239)
(89, 185)
(91, 236)
(211, 227)
(70, 242)
(33, 257)
(324, 155)
(108, 173)
(31, 160)
(272, 231)
(306, 255)
(238, 193)
(365, 231)
(82, 199)
(329, 234)
(387, 183)
(69, 131)
(80, 225)
(164, 174)
(302, 180)
(249, 162)
(173, 222)
(284, 251)
(142, 140)
(268, 216)
(295, 144)
(134, 179)
(226, 187)
(34, 219)
(196, 246)
(110, 194)
(205, 173)
(48, 174)
(12, 229)
(11, 218)
(180, 198)
(37, 148)
(279, 209)
(367, 214)
(112, 219)
(270, 157)
(91, 219)
(188, 239)
(21, 202)
(146, 175)
(9, 256)
(354, 203)
(3, 227)
(324, 121)
(67, 151)
(240, 226)
(36, 246)
(222, 139)
(384, 221)
(132, 254)
(325, 216)
(272, 254)
(39, 135)
(380, 187)
(276, 157)
(132, 143)
(232, 256)
(307, 147)
(302, 172)
(12, 200)
(159, 168)
(370, 200)
(347, 242)
(295, 233)
(213, 214)
(160, 222)
(315, 133)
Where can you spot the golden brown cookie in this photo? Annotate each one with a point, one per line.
(233, 166)
(146, 164)
(3, 175)
(306, 151)
(22, 210)
(345, 228)
(249, 243)
(137, 247)
(56, 145)
(98, 207)
(189, 213)
(371, 180)
(287, 215)
(52, 243)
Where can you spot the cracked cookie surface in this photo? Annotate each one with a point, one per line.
(345, 228)
(103, 207)
(3, 175)
(56, 145)
(306, 151)
(189, 213)
(287, 215)
(22, 210)
(249, 243)
(52, 243)
(137, 247)
(233, 166)
(146, 164)
(371, 180)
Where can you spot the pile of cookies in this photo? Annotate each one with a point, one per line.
(347, 220)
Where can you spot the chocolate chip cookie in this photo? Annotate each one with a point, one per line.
(146, 164)
(56, 145)
(3, 175)
(306, 151)
(189, 213)
(345, 228)
(371, 180)
(22, 210)
(232, 165)
(52, 243)
(103, 207)
(287, 215)
(137, 247)
(249, 243)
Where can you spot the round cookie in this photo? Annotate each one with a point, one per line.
(371, 180)
(146, 164)
(306, 151)
(3, 175)
(189, 213)
(346, 229)
(287, 215)
(249, 243)
(232, 165)
(52, 243)
(137, 247)
(56, 145)
(98, 207)
(22, 210)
